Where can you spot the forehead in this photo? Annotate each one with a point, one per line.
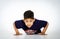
(28, 19)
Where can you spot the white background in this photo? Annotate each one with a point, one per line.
(12, 10)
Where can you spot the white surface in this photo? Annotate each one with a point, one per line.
(12, 10)
(10, 36)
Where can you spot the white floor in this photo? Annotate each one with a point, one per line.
(11, 36)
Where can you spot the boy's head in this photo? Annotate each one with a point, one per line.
(28, 17)
(28, 14)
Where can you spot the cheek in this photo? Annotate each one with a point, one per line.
(26, 23)
(31, 23)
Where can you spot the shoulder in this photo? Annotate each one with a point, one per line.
(18, 21)
(40, 21)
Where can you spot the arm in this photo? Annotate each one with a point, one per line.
(44, 30)
(16, 30)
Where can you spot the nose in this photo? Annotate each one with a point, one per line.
(29, 24)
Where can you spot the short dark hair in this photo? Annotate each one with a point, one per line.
(28, 14)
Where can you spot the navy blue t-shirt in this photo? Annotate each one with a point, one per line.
(34, 29)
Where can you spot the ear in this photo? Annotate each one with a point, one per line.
(34, 20)
(23, 20)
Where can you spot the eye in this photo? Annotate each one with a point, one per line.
(30, 20)
(26, 21)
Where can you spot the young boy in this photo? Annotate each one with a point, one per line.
(30, 25)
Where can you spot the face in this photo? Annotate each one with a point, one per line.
(29, 22)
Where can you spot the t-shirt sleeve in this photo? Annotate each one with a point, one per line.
(18, 24)
(44, 23)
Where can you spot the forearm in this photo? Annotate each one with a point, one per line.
(44, 30)
(16, 30)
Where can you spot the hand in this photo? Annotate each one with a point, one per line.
(18, 34)
(42, 34)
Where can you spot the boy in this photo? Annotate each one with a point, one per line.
(30, 25)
